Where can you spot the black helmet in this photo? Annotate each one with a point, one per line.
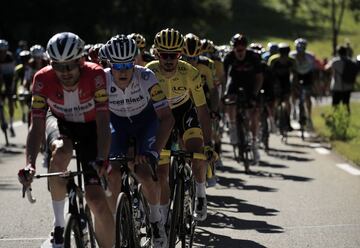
(238, 39)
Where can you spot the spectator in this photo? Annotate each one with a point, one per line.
(341, 91)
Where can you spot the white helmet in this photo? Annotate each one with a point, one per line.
(121, 49)
(37, 51)
(4, 45)
(66, 46)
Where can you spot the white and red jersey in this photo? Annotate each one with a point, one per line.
(79, 105)
(142, 90)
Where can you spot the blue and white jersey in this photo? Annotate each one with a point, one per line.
(142, 90)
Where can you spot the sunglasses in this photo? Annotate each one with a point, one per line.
(171, 56)
(64, 67)
(122, 66)
(188, 58)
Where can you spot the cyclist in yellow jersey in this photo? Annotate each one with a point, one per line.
(182, 86)
(191, 54)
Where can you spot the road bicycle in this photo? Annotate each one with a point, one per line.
(282, 120)
(132, 225)
(79, 229)
(243, 148)
(182, 200)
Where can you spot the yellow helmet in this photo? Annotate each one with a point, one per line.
(207, 46)
(169, 40)
(192, 45)
(140, 40)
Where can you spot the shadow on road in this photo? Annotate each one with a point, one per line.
(221, 220)
(238, 183)
(276, 150)
(9, 184)
(282, 176)
(277, 166)
(213, 240)
(231, 204)
(286, 156)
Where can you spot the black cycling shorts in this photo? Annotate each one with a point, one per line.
(186, 122)
(84, 139)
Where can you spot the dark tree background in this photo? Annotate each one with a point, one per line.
(96, 21)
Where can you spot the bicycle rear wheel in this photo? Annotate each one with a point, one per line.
(124, 225)
(72, 233)
(144, 234)
(243, 146)
(89, 233)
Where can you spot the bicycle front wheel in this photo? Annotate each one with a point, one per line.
(175, 215)
(72, 233)
(124, 227)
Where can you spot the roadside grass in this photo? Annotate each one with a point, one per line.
(349, 148)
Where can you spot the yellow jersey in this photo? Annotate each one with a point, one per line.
(185, 84)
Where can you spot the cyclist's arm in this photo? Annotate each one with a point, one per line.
(34, 139)
(103, 134)
(163, 112)
(167, 122)
(102, 115)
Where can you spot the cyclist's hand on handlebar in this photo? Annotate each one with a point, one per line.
(26, 175)
(210, 153)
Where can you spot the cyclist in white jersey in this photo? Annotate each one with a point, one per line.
(139, 110)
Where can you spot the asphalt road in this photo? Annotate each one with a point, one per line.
(300, 195)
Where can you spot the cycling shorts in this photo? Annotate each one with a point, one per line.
(84, 138)
(186, 123)
(142, 128)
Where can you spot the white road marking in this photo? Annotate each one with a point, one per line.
(348, 168)
(322, 150)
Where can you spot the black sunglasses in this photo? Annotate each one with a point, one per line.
(169, 55)
(64, 67)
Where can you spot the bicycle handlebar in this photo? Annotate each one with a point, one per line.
(66, 174)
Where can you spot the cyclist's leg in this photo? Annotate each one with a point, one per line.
(61, 153)
(9, 93)
(193, 141)
(119, 147)
(152, 191)
(95, 196)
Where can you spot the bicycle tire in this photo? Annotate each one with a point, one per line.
(72, 235)
(145, 213)
(283, 123)
(175, 215)
(189, 224)
(243, 146)
(265, 131)
(90, 228)
(123, 223)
